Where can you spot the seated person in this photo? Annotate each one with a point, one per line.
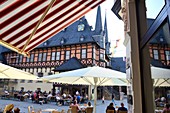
(8, 108)
(89, 104)
(16, 110)
(64, 96)
(6, 92)
(110, 107)
(75, 105)
(166, 108)
(49, 95)
(122, 108)
(78, 97)
(89, 108)
(59, 99)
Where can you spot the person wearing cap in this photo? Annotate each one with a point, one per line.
(8, 108)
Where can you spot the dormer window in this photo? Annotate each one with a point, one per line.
(81, 27)
(45, 43)
(64, 29)
(81, 38)
(62, 41)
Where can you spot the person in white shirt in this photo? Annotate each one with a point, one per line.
(64, 95)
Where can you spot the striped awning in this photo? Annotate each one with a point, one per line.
(25, 24)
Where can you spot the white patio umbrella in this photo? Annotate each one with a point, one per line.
(8, 72)
(96, 76)
(161, 76)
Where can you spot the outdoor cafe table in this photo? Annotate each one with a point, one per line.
(64, 101)
(83, 108)
(42, 99)
(49, 110)
(158, 111)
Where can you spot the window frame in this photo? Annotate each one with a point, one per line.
(155, 57)
(84, 55)
(53, 55)
(44, 56)
(67, 54)
(58, 55)
(167, 56)
(40, 57)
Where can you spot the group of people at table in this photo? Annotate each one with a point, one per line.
(43, 97)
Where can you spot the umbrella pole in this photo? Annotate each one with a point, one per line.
(95, 98)
(95, 93)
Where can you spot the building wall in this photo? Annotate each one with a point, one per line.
(94, 55)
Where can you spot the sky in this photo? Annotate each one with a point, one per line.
(153, 8)
(115, 27)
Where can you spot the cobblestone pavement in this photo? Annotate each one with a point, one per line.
(24, 105)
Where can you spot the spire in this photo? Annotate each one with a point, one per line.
(107, 43)
(105, 29)
(98, 26)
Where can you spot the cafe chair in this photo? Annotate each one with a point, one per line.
(74, 109)
(167, 111)
(110, 111)
(69, 110)
(29, 109)
(89, 110)
(122, 111)
(56, 112)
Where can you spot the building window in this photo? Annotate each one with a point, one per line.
(67, 55)
(155, 54)
(64, 29)
(22, 81)
(53, 56)
(101, 56)
(28, 59)
(81, 38)
(50, 73)
(20, 58)
(32, 58)
(62, 41)
(30, 81)
(167, 54)
(83, 55)
(39, 56)
(81, 27)
(94, 53)
(40, 74)
(17, 59)
(45, 43)
(44, 56)
(57, 55)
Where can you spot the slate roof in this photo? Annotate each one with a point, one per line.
(158, 63)
(71, 35)
(118, 64)
(69, 65)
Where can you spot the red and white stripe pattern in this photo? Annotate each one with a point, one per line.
(18, 19)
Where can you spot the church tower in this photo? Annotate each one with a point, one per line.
(107, 43)
(99, 33)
